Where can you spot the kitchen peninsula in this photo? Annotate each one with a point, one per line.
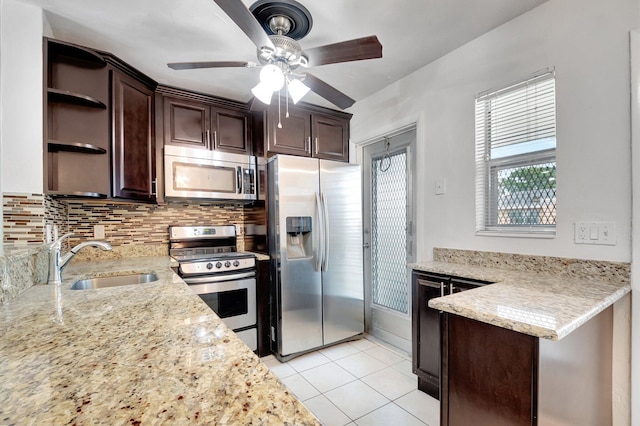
(140, 354)
(532, 348)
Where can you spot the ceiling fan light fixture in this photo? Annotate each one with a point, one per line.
(297, 90)
(272, 77)
(263, 92)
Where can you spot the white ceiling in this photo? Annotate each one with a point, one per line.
(148, 34)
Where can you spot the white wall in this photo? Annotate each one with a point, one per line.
(635, 272)
(587, 41)
(21, 30)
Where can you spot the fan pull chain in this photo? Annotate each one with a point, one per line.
(287, 100)
(279, 112)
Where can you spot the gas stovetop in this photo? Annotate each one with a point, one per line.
(207, 250)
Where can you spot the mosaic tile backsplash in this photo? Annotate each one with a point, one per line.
(26, 217)
(23, 218)
(131, 229)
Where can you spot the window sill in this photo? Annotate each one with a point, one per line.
(514, 233)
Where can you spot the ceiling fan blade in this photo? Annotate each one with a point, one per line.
(346, 51)
(328, 92)
(195, 65)
(244, 19)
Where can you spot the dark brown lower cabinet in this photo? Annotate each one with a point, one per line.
(492, 376)
(426, 332)
(489, 374)
(426, 324)
(263, 308)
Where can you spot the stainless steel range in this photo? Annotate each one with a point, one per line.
(224, 278)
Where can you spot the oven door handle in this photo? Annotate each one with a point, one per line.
(217, 279)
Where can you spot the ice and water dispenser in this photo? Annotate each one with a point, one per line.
(299, 238)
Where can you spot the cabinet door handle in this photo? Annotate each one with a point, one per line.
(215, 139)
(307, 145)
(154, 186)
(452, 289)
(207, 139)
(441, 289)
(316, 140)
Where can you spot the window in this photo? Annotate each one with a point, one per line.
(516, 157)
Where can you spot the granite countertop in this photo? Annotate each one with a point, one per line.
(538, 304)
(140, 354)
(260, 256)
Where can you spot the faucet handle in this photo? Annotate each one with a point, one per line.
(57, 243)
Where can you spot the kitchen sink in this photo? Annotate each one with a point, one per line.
(114, 281)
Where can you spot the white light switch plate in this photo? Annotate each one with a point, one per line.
(601, 233)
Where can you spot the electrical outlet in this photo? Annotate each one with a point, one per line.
(98, 232)
(581, 232)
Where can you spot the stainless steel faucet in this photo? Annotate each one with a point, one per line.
(57, 262)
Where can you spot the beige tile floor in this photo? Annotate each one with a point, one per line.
(364, 382)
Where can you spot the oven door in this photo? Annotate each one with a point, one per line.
(232, 297)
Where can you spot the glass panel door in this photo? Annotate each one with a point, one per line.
(388, 231)
(388, 235)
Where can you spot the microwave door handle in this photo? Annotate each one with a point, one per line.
(239, 179)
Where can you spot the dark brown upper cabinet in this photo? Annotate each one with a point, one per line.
(76, 121)
(98, 125)
(196, 121)
(186, 123)
(330, 137)
(134, 168)
(308, 131)
(289, 135)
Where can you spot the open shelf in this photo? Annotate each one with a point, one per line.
(76, 55)
(86, 148)
(74, 98)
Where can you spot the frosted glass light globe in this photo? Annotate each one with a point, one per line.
(272, 76)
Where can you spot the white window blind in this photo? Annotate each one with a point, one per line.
(515, 157)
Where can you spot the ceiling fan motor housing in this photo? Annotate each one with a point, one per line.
(288, 51)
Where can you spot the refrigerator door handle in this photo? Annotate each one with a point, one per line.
(325, 207)
(320, 239)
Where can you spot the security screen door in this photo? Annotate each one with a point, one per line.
(388, 228)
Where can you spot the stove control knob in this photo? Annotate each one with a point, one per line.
(219, 265)
(209, 265)
(236, 263)
(227, 264)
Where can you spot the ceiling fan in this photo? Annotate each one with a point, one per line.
(274, 27)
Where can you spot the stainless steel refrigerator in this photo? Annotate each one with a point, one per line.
(315, 244)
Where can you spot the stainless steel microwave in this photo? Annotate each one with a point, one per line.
(208, 175)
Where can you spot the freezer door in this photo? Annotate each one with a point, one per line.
(299, 283)
(342, 276)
